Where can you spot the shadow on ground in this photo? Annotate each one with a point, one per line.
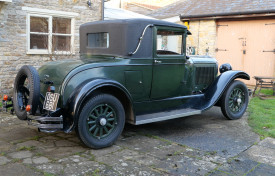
(206, 144)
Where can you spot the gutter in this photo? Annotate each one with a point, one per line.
(227, 14)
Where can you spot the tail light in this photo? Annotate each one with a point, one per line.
(51, 89)
(28, 108)
(6, 97)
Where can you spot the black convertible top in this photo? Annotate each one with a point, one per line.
(124, 36)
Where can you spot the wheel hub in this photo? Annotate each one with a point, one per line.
(103, 121)
(236, 100)
(239, 101)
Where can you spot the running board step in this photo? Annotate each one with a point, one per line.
(167, 115)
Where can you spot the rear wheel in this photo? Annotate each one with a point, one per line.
(26, 91)
(101, 121)
(234, 100)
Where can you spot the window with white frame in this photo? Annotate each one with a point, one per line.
(6, 0)
(49, 32)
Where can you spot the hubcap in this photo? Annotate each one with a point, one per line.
(102, 120)
(239, 101)
(236, 100)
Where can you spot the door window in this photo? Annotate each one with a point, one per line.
(169, 42)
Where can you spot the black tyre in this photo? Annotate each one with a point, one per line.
(234, 100)
(101, 121)
(26, 91)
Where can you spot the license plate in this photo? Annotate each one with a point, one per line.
(50, 102)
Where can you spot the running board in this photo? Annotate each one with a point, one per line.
(167, 115)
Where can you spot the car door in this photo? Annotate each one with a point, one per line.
(169, 62)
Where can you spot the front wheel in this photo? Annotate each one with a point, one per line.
(234, 100)
(101, 121)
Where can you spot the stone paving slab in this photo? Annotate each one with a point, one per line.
(261, 154)
(268, 142)
(17, 169)
(238, 166)
(141, 150)
(262, 170)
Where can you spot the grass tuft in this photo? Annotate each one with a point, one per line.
(262, 115)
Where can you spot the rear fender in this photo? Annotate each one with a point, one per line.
(219, 86)
(85, 91)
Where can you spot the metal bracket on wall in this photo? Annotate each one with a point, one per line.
(217, 49)
(222, 25)
(269, 51)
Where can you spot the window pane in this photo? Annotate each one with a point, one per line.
(100, 40)
(169, 42)
(61, 43)
(39, 24)
(38, 41)
(62, 25)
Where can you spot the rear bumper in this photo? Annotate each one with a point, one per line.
(46, 124)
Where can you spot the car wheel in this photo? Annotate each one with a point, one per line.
(234, 100)
(26, 91)
(101, 121)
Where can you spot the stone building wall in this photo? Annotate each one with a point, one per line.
(13, 37)
(203, 37)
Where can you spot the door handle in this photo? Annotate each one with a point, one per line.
(157, 61)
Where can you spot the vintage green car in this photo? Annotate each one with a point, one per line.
(133, 70)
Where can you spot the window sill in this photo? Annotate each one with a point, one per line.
(47, 53)
(38, 52)
(5, 0)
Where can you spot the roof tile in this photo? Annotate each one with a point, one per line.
(204, 7)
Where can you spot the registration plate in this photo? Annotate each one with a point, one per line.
(50, 102)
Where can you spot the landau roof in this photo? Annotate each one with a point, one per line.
(124, 36)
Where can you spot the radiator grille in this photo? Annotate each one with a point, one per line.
(204, 75)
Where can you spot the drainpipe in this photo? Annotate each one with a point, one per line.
(102, 11)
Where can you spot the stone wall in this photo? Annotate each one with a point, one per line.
(13, 33)
(203, 37)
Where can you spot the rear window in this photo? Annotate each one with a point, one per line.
(98, 40)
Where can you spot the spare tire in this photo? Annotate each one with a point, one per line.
(26, 91)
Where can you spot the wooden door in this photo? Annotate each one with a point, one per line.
(248, 46)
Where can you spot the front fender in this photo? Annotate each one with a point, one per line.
(77, 98)
(218, 87)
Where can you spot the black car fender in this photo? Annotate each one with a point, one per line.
(219, 86)
(85, 90)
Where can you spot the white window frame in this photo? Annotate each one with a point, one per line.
(44, 13)
(6, 0)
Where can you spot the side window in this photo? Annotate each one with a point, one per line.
(169, 42)
(98, 40)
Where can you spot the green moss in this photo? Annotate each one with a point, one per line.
(96, 172)
(36, 138)
(48, 174)
(31, 148)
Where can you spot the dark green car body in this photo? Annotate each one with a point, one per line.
(151, 86)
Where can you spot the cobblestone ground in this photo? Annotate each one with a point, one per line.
(25, 151)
